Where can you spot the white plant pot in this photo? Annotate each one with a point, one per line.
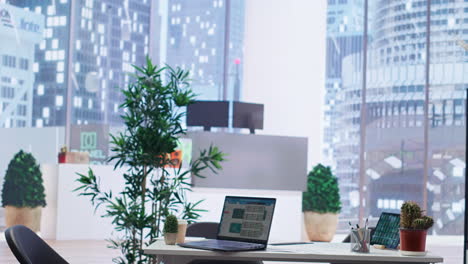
(320, 227)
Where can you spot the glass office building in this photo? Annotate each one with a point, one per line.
(201, 37)
(108, 37)
(17, 65)
(344, 37)
(88, 49)
(396, 168)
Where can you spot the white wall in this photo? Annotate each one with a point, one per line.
(69, 216)
(285, 67)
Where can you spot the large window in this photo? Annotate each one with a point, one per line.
(394, 98)
(398, 134)
(67, 62)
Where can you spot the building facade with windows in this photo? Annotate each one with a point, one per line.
(201, 37)
(23, 29)
(396, 168)
(88, 49)
(344, 37)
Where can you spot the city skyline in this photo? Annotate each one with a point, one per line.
(107, 38)
(394, 126)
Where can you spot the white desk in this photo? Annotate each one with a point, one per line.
(317, 252)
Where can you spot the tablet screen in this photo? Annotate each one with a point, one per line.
(387, 231)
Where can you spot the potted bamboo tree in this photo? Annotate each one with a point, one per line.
(23, 193)
(321, 204)
(155, 187)
(413, 229)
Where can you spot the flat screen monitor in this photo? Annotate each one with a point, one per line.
(208, 114)
(248, 115)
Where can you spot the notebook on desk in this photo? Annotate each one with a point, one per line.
(245, 225)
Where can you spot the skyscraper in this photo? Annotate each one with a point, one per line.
(201, 36)
(22, 30)
(344, 37)
(396, 168)
(88, 49)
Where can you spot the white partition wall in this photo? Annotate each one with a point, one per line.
(261, 162)
(70, 216)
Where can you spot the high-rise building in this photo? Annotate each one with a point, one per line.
(22, 30)
(88, 49)
(344, 37)
(395, 165)
(198, 33)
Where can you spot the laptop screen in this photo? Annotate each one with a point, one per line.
(246, 219)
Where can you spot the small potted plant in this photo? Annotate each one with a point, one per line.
(321, 204)
(170, 230)
(413, 229)
(23, 193)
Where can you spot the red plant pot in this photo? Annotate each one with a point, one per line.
(413, 240)
(62, 158)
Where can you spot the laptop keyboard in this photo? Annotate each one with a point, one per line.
(230, 244)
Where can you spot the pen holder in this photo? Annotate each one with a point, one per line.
(360, 240)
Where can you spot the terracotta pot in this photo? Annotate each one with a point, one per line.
(320, 227)
(170, 238)
(413, 242)
(27, 216)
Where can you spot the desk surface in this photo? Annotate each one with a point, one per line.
(316, 252)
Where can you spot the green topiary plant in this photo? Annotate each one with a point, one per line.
(23, 182)
(322, 195)
(412, 218)
(171, 225)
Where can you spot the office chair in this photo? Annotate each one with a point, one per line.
(210, 230)
(29, 248)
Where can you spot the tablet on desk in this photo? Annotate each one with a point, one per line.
(387, 231)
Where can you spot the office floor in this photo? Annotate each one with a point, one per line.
(82, 251)
(96, 252)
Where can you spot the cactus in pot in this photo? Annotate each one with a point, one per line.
(413, 229)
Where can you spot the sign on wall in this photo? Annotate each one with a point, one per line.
(93, 139)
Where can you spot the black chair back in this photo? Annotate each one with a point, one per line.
(29, 248)
(203, 229)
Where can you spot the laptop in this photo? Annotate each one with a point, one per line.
(245, 225)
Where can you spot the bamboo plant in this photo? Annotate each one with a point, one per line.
(153, 109)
